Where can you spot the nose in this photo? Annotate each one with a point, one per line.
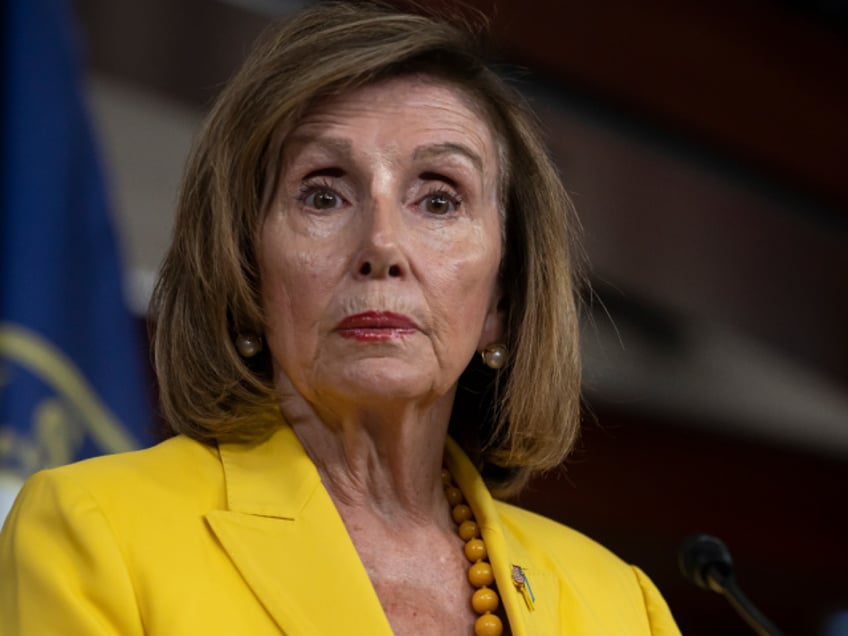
(381, 253)
(365, 269)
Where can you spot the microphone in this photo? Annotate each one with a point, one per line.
(705, 561)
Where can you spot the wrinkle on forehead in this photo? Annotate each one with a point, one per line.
(333, 144)
(455, 101)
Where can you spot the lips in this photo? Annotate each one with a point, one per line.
(376, 325)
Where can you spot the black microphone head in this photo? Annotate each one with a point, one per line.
(706, 562)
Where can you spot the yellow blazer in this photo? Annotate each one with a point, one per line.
(184, 538)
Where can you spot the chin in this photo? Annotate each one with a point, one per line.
(389, 379)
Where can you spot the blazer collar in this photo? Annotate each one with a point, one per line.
(274, 478)
(507, 549)
(287, 540)
(285, 536)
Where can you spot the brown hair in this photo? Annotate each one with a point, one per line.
(525, 420)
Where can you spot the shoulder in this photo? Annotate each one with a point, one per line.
(111, 521)
(172, 473)
(560, 541)
(590, 576)
(175, 457)
(134, 502)
(566, 551)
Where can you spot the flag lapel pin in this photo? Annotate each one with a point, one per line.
(522, 583)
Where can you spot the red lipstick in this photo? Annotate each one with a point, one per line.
(371, 326)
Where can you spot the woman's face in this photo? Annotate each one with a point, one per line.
(380, 248)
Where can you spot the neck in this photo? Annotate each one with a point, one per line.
(383, 461)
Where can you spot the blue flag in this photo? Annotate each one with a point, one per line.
(72, 381)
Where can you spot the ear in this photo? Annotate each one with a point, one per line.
(493, 326)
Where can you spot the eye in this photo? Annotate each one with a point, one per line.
(323, 200)
(441, 203)
(319, 196)
(438, 204)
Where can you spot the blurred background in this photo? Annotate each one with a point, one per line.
(706, 149)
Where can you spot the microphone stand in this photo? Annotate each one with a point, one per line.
(706, 562)
(746, 609)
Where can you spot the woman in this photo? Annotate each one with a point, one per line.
(367, 208)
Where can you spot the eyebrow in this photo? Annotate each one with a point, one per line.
(434, 151)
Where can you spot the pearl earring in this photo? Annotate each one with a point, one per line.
(494, 356)
(248, 344)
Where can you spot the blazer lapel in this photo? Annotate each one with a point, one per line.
(287, 540)
(505, 551)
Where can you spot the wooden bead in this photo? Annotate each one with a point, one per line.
(475, 550)
(488, 625)
(468, 530)
(461, 513)
(485, 600)
(454, 495)
(480, 574)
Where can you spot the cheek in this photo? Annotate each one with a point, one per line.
(465, 285)
(299, 282)
(282, 271)
(476, 269)
(293, 289)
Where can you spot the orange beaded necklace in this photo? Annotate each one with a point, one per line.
(485, 599)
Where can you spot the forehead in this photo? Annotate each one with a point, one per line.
(403, 109)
